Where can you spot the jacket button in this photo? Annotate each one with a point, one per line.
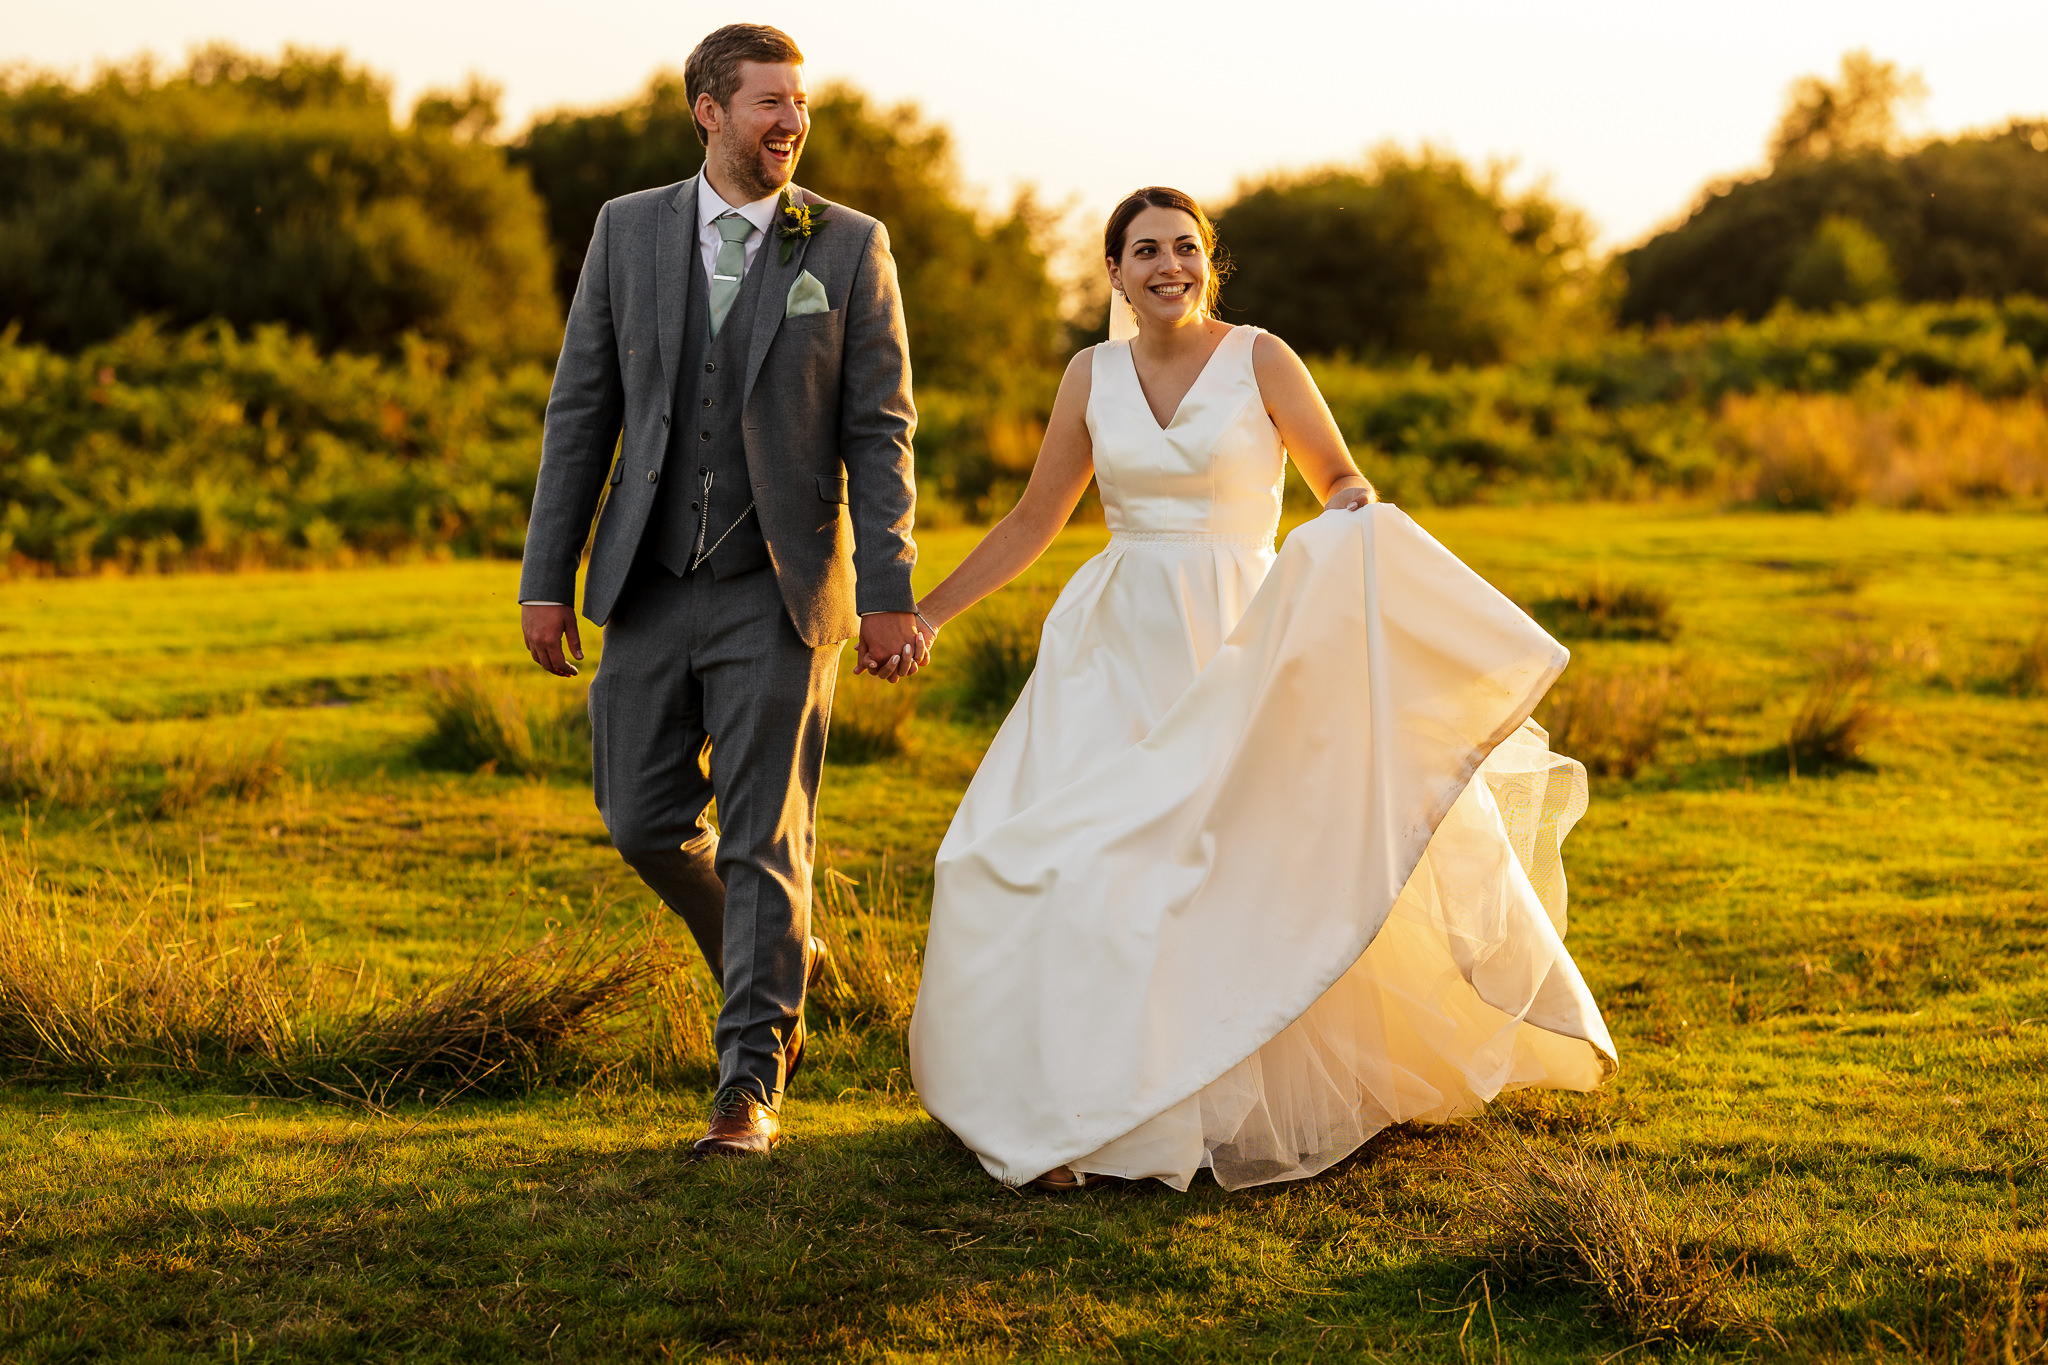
(710, 367)
(653, 474)
(664, 419)
(707, 402)
(703, 435)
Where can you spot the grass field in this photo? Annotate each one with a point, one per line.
(1828, 981)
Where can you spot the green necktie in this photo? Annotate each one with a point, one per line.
(730, 267)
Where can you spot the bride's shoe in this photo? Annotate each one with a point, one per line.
(1061, 1180)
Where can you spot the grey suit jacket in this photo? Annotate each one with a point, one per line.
(827, 417)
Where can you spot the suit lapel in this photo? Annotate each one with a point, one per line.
(776, 280)
(675, 265)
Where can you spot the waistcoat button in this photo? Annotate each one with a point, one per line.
(710, 366)
(653, 474)
(703, 435)
(664, 419)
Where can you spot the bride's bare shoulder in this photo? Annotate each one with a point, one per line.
(1075, 385)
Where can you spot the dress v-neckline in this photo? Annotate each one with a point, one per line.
(1132, 356)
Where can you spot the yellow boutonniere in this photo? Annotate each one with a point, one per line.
(798, 222)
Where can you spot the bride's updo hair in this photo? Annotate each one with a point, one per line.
(1162, 197)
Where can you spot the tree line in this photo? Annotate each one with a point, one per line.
(219, 233)
(252, 190)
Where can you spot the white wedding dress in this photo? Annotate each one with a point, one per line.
(1266, 857)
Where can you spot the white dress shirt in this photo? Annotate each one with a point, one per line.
(709, 206)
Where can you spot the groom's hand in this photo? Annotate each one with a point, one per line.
(544, 627)
(892, 647)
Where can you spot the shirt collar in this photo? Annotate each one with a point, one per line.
(710, 205)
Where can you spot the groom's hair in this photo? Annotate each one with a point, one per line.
(714, 68)
(1162, 197)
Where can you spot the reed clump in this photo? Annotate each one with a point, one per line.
(1839, 713)
(870, 718)
(1577, 1220)
(482, 723)
(1601, 610)
(1613, 722)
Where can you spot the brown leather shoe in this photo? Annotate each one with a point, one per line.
(815, 957)
(740, 1126)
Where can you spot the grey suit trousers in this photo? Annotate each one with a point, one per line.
(706, 689)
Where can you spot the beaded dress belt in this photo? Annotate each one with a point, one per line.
(1253, 540)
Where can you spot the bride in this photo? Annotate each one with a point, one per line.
(1266, 856)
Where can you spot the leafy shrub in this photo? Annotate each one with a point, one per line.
(206, 449)
(483, 723)
(1952, 392)
(1892, 446)
(1608, 611)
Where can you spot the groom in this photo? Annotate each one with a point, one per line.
(741, 344)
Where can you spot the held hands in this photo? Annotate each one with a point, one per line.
(893, 645)
(544, 626)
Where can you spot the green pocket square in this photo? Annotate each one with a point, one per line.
(806, 296)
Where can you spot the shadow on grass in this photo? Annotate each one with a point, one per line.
(574, 1229)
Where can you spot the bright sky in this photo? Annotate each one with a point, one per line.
(1626, 106)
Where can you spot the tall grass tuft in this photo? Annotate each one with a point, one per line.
(54, 764)
(997, 646)
(1994, 1313)
(514, 1018)
(1614, 723)
(140, 976)
(242, 772)
(1608, 611)
(1579, 1221)
(482, 723)
(2030, 671)
(1838, 715)
(683, 1003)
(69, 766)
(873, 975)
(870, 718)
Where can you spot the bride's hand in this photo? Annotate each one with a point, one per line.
(1351, 497)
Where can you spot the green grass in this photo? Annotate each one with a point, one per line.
(1829, 991)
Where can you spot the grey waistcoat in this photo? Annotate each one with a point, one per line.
(706, 440)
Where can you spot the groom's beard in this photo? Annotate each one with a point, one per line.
(746, 169)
